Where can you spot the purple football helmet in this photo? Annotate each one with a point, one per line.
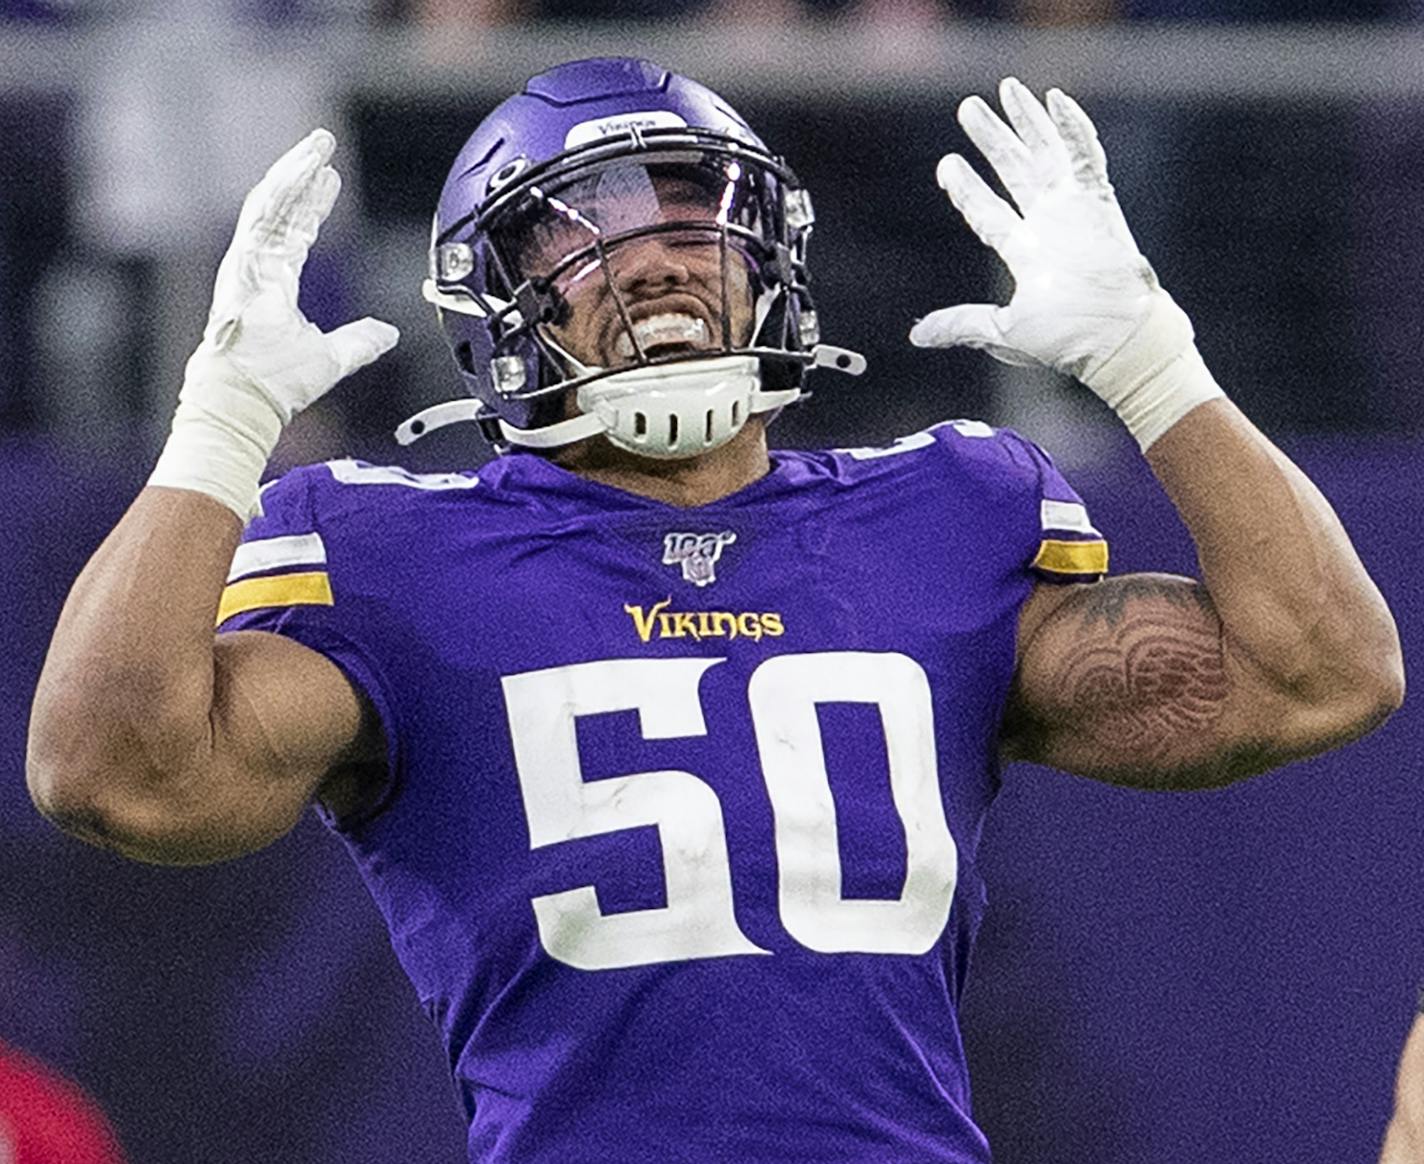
(549, 193)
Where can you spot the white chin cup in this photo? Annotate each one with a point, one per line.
(676, 410)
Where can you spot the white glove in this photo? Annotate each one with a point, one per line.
(261, 361)
(1085, 300)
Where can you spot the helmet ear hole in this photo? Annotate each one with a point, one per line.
(508, 172)
(465, 357)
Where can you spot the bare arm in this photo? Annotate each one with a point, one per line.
(151, 735)
(148, 734)
(1404, 1138)
(1284, 649)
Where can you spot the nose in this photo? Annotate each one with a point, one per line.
(648, 264)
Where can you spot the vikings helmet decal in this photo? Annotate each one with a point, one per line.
(615, 251)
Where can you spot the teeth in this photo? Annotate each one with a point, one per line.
(673, 327)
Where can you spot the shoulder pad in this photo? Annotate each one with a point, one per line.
(353, 472)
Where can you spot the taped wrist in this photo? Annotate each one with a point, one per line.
(223, 434)
(1157, 376)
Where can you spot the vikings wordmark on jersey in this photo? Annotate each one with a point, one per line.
(687, 876)
(666, 623)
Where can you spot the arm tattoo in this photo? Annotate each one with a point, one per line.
(1144, 687)
(1108, 600)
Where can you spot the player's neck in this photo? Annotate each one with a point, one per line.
(686, 482)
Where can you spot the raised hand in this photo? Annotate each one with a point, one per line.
(255, 324)
(261, 361)
(1085, 300)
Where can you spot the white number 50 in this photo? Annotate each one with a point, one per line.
(698, 920)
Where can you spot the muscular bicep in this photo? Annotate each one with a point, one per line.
(287, 718)
(1134, 680)
(286, 726)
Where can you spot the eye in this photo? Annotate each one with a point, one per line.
(554, 238)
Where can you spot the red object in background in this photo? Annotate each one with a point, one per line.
(46, 1119)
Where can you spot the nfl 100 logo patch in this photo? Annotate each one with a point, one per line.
(696, 553)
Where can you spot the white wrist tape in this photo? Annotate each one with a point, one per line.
(223, 434)
(1157, 376)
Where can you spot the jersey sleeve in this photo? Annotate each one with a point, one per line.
(1070, 548)
(1045, 517)
(283, 580)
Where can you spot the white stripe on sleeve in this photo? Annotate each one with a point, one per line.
(1065, 515)
(274, 553)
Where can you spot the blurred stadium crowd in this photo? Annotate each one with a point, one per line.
(121, 182)
(740, 11)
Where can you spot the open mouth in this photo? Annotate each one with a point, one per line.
(665, 334)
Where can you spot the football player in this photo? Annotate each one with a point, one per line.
(1404, 1138)
(664, 756)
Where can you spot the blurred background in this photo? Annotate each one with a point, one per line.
(1223, 978)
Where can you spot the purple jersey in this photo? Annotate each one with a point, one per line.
(678, 847)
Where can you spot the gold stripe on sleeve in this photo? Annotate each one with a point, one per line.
(309, 589)
(1061, 557)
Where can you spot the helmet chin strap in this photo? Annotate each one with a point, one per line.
(667, 411)
(689, 391)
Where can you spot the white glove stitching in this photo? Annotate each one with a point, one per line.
(1085, 300)
(260, 360)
